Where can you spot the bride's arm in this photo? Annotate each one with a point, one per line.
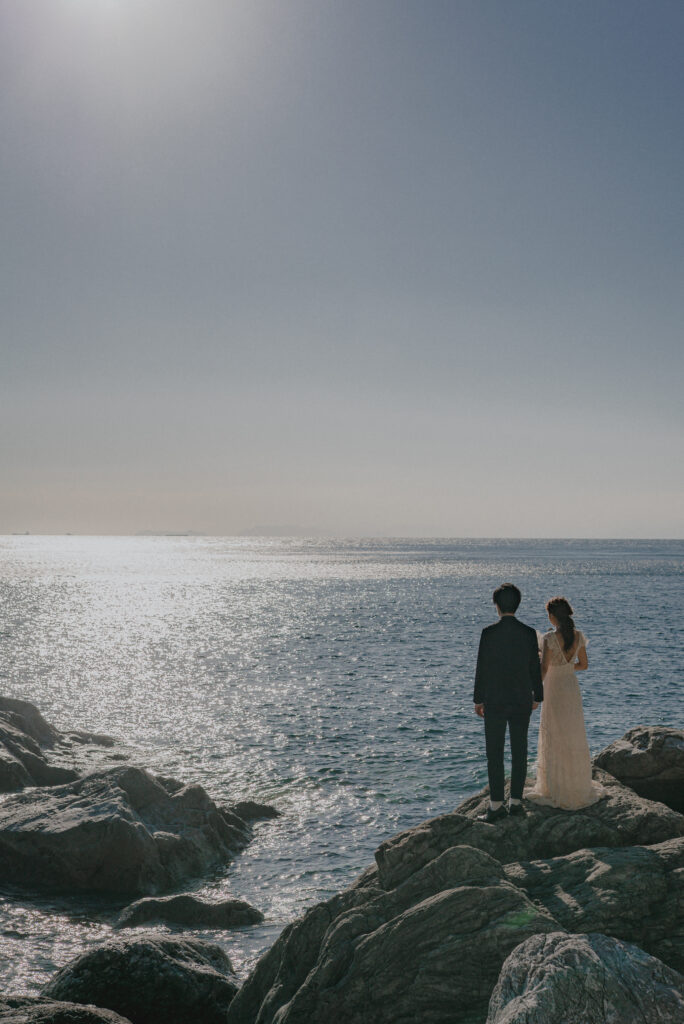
(582, 663)
(544, 658)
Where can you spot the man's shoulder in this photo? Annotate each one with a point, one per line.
(488, 630)
(528, 629)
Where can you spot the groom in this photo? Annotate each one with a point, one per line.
(508, 687)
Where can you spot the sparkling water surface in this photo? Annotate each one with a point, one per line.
(332, 679)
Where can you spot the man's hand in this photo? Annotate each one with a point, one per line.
(479, 710)
(535, 705)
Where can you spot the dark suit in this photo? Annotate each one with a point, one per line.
(507, 681)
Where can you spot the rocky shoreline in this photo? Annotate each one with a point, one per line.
(556, 917)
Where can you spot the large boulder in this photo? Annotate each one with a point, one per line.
(27, 1010)
(585, 979)
(188, 911)
(151, 980)
(423, 934)
(620, 818)
(650, 760)
(117, 831)
(434, 943)
(635, 893)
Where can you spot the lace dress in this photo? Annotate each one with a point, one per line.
(564, 763)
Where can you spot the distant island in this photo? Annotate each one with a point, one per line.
(169, 533)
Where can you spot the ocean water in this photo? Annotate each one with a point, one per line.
(330, 678)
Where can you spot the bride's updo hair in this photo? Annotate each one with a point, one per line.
(560, 608)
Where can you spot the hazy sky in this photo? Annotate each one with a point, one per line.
(368, 266)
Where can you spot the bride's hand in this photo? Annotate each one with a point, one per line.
(535, 705)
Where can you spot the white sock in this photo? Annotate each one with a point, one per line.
(494, 805)
(514, 801)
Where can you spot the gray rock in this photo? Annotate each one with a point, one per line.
(650, 760)
(99, 739)
(151, 980)
(25, 1010)
(189, 911)
(621, 818)
(249, 810)
(585, 979)
(117, 831)
(634, 893)
(22, 762)
(423, 934)
(34, 753)
(29, 720)
(417, 952)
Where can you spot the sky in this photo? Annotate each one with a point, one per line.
(351, 267)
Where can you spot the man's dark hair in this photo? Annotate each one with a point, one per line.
(507, 597)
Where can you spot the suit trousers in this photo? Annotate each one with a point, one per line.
(496, 723)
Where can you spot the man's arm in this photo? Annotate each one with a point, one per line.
(479, 691)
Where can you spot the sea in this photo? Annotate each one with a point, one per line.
(330, 678)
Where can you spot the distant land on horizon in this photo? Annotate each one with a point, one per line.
(281, 531)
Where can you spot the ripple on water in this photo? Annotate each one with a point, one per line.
(332, 679)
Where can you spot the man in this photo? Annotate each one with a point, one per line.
(508, 687)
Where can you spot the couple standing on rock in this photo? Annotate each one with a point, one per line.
(512, 678)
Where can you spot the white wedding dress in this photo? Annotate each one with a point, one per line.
(564, 763)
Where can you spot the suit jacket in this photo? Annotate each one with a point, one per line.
(508, 673)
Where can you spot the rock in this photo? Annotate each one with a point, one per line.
(650, 760)
(25, 1010)
(170, 785)
(34, 753)
(621, 818)
(22, 762)
(97, 738)
(585, 979)
(435, 942)
(249, 810)
(117, 831)
(13, 775)
(634, 893)
(29, 720)
(423, 935)
(151, 980)
(189, 911)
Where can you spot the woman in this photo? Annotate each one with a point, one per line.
(564, 764)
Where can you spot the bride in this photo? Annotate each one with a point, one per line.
(564, 764)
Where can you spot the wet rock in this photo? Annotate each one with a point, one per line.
(621, 818)
(650, 760)
(435, 942)
(25, 1010)
(99, 739)
(634, 893)
(117, 831)
(585, 979)
(190, 912)
(249, 810)
(151, 980)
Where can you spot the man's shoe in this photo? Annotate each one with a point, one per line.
(517, 809)
(493, 816)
